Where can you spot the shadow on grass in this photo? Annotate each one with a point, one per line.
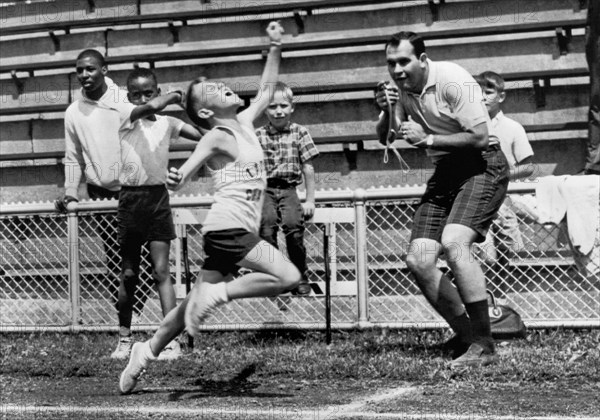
(238, 386)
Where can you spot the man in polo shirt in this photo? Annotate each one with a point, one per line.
(438, 106)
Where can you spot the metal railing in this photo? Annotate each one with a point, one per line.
(59, 272)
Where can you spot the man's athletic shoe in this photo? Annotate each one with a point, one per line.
(475, 356)
(203, 299)
(138, 362)
(123, 348)
(171, 352)
(455, 346)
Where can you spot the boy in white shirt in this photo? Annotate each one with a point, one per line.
(519, 154)
(144, 214)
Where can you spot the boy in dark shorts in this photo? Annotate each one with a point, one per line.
(234, 158)
(438, 106)
(144, 214)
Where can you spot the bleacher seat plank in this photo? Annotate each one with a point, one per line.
(323, 71)
(331, 119)
(55, 15)
(336, 29)
(15, 139)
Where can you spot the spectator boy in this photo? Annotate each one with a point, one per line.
(144, 214)
(289, 150)
(518, 152)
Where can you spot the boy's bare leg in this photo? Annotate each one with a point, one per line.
(171, 326)
(159, 253)
(275, 274)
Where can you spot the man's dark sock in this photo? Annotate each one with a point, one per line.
(461, 325)
(480, 324)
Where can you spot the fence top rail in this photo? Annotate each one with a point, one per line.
(321, 196)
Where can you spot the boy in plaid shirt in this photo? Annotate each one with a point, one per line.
(289, 150)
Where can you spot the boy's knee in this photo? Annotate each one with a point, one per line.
(161, 274)
(128, 275)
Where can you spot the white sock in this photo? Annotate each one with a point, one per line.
(147, 352)
(217, 294)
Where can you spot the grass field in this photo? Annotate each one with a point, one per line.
(295, 375)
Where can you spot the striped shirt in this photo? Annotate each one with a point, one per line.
(286, 151)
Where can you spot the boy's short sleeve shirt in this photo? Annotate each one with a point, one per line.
(513, 139)
(145, 150)
(286, 151)
(451, 102)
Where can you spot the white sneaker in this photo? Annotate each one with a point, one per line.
(138, 362)
(171, 352)
(123, 348)
(203, 299)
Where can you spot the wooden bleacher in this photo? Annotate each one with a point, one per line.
(333, 56)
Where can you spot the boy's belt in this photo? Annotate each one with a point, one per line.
(279, 183)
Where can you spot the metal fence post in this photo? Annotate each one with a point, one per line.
(362, 284)
(73, 244)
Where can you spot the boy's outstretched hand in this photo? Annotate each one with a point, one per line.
(275, 31)
(174, 178)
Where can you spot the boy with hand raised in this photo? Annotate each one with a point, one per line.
(234, 158)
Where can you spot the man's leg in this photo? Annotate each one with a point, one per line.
(292, 221)
(457, 242)
(422, 257)
(438, 289)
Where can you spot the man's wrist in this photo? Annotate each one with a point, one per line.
(429, 141)
(275, 43)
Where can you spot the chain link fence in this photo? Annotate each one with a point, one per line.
(62, 271)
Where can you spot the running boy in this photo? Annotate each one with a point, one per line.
(234, 158)
(144, 214)
(289, 150)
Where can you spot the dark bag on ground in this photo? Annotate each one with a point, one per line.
(505, 321)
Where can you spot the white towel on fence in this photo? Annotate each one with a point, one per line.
(577, 197)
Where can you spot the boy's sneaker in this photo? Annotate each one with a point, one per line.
(123, 348)
(475, 356)
(203, 299)
(171, 352)
(138, 362)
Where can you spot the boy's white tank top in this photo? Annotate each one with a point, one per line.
(239, 187)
